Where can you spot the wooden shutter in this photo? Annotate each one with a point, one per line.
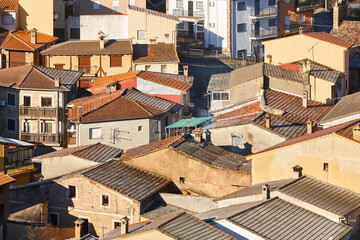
(17, 59)
(115, 60)
(84, 64)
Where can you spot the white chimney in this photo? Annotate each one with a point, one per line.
(78, 227)
(33, 36)
(124, 225)
(356, 132)
(297, 171)
(265, 192)
(268, 121)
(309, 126)
(101, 40)
(186, 70)
(305, 99)
(57, 82)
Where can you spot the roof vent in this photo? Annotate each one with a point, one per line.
(186, 70)
(297, 171)
(33, 36)
(265, 192)
(356, 132)
(79, 112)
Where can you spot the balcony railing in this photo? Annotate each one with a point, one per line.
(16, 164)
(182, 12)
(264, 32)
(38, 111)
(294, 27)
(87, 69)
(262, 12)
(46, 138)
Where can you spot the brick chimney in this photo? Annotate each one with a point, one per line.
(356, 132)
(57, 82)
(33, 36)
(265, 192)
(78, 228)
(124, 225)
(305, 99)
(268, 121)
(186, 70)
(309, 126)
(297, 171)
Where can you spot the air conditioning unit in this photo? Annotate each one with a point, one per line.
(2, 102)
(211, 4)
(212, 25)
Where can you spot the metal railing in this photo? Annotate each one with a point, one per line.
(264, 32)
(294, 27)
(264, 11)
(182, 12)
(47, 138)
(87, 69)
(38, 111)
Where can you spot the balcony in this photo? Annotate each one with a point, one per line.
(294, 27)
(263, 12)
(37, 111)
(87, 70)
(262, 33)
(182, 12)
(45, 138)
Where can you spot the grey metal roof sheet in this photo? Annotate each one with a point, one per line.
(219, 82)
(323, 195)
(67, 77)
(347, 106)
(127, 180)
(277, 219)
(278, 72)
(149, 100)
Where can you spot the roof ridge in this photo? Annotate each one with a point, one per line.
(19, 38)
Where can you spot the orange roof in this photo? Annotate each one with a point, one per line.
(330, 39)
(20, 40)
(104, 81)
(8, 4)
(5, 179)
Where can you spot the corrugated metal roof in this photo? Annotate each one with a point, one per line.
(150, 100)
(323, 195)
(127, 180)
(67, 77)
(189, 122)
(277, 219)
(219, 82)
(15, 142)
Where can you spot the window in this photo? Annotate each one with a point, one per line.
(216, 96)
(141, 35)
(115, 6)
(46, 101)
(224, 96)
(147, 68)
(7, 19)
(156, 126)
(117, 225)
(241, 6)
(326, 167)
(241, 27)
(236, 140)
(271, 2)
(46, 127)
(84, 64)
(27, 101)
(241, 53)
(180, 25)
(301, 18)
(94, 133)
(179, 4)
(59, 66)
(182, 180)
(105, 200)
(115, 60)
(11, 124)
(71, 192)
(75, 33)
(27, 127)
(199, 5)
(140, 128)
(163, 68)
(96, 4)
(200, 26)
(54, 219)
(272, 22)
(287, 22)
(11, 99)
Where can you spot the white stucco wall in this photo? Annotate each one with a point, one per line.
(153, 88)
(235, 231)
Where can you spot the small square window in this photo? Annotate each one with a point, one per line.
(241, 6)
(141, 35)
(241, 27)
(71, 192)
(11, 99)
(11, 125)
(115, 60)
(46, 101)
(163, 68)
(94, 133)
(272, 22)
(27, 101)
(224, 96)
(147, 68)
(182, 180)
(140, 128)
(326, 167)
(271, 2)
(54, 219)
(117, 225)
(216, 96)
(105, 200)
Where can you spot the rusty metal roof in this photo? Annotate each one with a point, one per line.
(323, 195)
(127, 180)
(278, 219)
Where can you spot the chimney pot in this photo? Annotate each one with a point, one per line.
(356, 132)
(297, 171)
(124, 225)
(268, 121)
(265, 192)
(33, 36)
(305, 99)
(309, 126)
(57, 82)
(186, 70)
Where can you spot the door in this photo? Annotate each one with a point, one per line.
(17, 59)
(190, 8)
(257, 7)
(257, 28)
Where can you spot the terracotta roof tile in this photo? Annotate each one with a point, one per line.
(251, 108)
(104, 81)
(8, 4)
(330, 39)
(20, 40)
(155, 53)
(176, 81)
(5, 179)
(155, 13)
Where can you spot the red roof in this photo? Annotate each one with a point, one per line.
(8, 4)
(20, 40)
(330, 39)
(290, 66)
(176, 81)
(155, 53)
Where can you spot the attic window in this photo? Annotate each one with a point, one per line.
(326, 167)
(71, 192)
(140, 128)
(182, 180)
(105, 200)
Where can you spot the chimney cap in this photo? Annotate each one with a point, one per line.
(297, 168)
(33, 30)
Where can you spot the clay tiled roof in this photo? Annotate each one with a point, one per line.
(127, 180)
(151, 12)
(246, 73)
(122, 104)
(155, 53)
(348, 31)
(326, 37)
(31, 77)
(97, 152)
(176, 81)
(8, 4)
(104, 81)
(5, 179)
(20, 40)
(90, 47)
(282, 73)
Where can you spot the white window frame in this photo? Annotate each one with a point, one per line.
(212, 96)
(7, 124)
(76, 192)
(96, 5)
(7, 99)
(101, 203)
(197, 3)
(132, 2)
(114, 221)
(90, 133)
(239, 136)
(148, 67)
(140, 37)
(53, 126)
(57, 216)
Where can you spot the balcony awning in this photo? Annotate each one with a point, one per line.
(191, 122)
(191, 19)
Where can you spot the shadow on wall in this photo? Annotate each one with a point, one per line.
(246, 150)
(215, 41)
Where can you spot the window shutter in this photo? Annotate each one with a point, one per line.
(116, 60)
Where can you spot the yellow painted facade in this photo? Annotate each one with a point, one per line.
(172, 68)
(340, 153)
